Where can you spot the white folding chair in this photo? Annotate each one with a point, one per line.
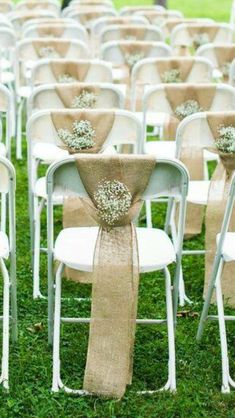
(18, 19)
(208, 51)
(87, 18)
(168, 25)
(169, 178)
(26, 58)
(156, 17)
(111, 96)
(7, 111)
(7, 55)
(8, 253)
(224, 253)
(130, 10)
(42, 141)
(27, 5)
(68, 31)
(46, 21)
(101, 23)
(130, 31)
(91, 3)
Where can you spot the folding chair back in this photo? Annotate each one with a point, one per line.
(158, 18)
(220, 56)
(46, 21)
(18, 19)
(168, 25)
(47, 97)
(87, 18)
(6, 6)
(103, 22)
(91, 3)
(7, 109)
(130, 10)
(57, 30)
(28, 5)
(130, 32)
(98, 71)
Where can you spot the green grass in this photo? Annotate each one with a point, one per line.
(198, 366)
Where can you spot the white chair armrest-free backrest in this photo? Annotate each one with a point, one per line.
(70, 31)
(7, 37)
(99, 71)
(46, 97)
(7, 107)
(49, 5)
(88, 17)
(112, 52)
(130, 10)
(208, 51)
(114, 33)
(46, 21)
(101, 23)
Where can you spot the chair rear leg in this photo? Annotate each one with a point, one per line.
(56, 334)
(5, 339)
(171, 333)
(148, 214)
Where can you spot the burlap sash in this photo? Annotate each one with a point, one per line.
(211, 31)
(218, 195)
(87, 16)
(51, 30)
(183, 65)
(71, 68)
(224, 55)
(36, 5)
(154, 17)
(191, 156)
(74, 213)
(68, 92)
(170, 24)
(116, 276)
(60, 48)
(136, 31)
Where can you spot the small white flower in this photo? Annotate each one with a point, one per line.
(171, 76)
(201, 39)
(47, 51)
(226, 141)
(85, 100)
(66, 78)
(113, 200)
(132, 59)
(187, 108)
(82, 136)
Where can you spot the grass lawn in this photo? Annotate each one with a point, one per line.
(198, 366)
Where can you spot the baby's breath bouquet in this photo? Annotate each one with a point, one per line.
(187, 108)
(113, 200)
(81, 137)
(200, 39)
(47, 52)
(66, 78)
(171, 76)
(225, 143)
(225, 68)
(132, 59)
(85, 100)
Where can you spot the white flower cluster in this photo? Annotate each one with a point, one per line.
(201, 39)
(113, 200)
(226, 141)
(132, 59)
(82, 136)
(47, 51)
(66, 78)
(85, 100)
(225, 68)
(187, 108)
(171, 76)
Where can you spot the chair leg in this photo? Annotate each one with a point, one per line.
(171, 334)
(14, 322)
(3, 211)
(148, 214)
(36, 259)
(56, 333)
(19, 130)
(5, 339)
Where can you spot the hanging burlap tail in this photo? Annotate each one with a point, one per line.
(211, 31)
(133, 30)
(224, 55)
(61, 48)
(68, 92)
(74, 213)
(116, 275)
(183, 65)
(71, 68)
(51, 30)
(218, 195)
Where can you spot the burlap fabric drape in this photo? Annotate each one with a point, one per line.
(71, 68)
(51, 30)
(218, 195)
(211, 31)
(70, 91)
(224, 55)
(74, 213)
(135, 31)
(60, 48)
(191, 156)
(154, 17)
(115, 280)
(183, 65)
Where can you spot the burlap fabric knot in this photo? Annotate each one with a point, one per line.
(74, 213)
(115, 272)
(217, 199)
(77, 72)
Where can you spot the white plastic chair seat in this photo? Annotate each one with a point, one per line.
(198, 192)
(4, 245)
(7, 77)
(152, 118)
(161, 149)
(228, 251)
(48, 153)
(40, 191)
(75, 247)
(24, 91)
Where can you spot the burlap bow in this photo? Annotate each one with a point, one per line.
(217, 199)
(115, 275)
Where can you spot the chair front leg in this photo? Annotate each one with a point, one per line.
(5, 339)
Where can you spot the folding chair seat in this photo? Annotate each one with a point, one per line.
(50, 96)
(43, 139)
(28, 53)
(114, 52)
(168, 25)
(130, 10)
(131, 32)
(220, 56)
(193, 35)
(27, 5)
(168, 178)
(57, 30)
(8, 254)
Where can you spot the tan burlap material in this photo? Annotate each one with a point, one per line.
(71, 68)
(36, 5)
(136, 31)
(67, 92)
(55, 31)
(170, 24)
(183, 65)
(191, 156)
(211, 30)
(86, 17)
(74, 213)
(61, 48)
(218, 195)
(116, 276)
(154, 17)
(224, 54)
